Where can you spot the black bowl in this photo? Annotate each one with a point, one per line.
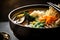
(25, 32)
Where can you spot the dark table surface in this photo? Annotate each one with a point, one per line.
(4, 27)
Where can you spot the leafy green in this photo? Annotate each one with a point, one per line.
(28, 17)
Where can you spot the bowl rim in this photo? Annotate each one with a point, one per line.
(9, 17)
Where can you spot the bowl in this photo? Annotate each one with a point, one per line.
(25, 32)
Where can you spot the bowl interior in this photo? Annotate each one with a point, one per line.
(14, 12)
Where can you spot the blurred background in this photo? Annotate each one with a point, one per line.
(7, 5)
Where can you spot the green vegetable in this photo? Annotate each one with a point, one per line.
(39, 24)
(36, 24)
(28, 17)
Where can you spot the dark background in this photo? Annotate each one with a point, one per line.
(7, 5)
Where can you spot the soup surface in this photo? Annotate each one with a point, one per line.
(37, 18)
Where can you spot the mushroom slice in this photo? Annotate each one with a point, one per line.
(20, 20)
